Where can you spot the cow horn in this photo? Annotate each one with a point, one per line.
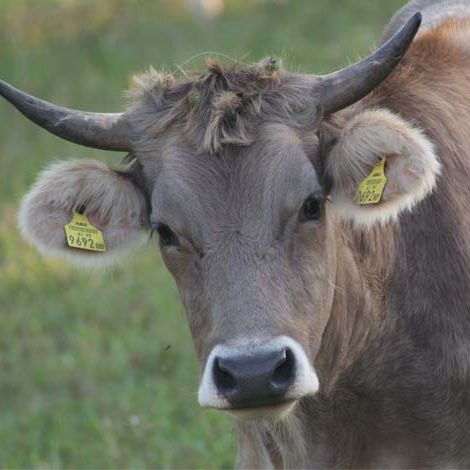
(104, 131)
(345, 87)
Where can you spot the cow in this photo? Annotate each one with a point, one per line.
(318, 229)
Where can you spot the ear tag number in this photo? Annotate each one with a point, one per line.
(82, 235)
(371, 188)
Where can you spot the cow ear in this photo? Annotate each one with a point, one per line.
(411, 166)
(111, 202)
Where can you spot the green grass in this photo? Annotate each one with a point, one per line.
(98, 370)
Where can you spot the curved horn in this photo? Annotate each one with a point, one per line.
(97, 130)
(345, 87)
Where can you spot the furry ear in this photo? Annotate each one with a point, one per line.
(411, 167)
(112, 202)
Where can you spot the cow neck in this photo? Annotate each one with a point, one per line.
(357, 311)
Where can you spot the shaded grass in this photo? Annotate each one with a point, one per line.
(98, 370)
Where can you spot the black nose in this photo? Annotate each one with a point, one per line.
(249, 381)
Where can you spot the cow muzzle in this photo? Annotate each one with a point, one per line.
(257, 380)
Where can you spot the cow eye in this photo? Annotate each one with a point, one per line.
(312, 208)
(167, 236)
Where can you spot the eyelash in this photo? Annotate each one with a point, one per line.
(166, 235)
(312, 208)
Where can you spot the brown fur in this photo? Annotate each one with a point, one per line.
(406, 347)
(394, 360)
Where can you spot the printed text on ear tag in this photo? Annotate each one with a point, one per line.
(82, 235)
(371, 188)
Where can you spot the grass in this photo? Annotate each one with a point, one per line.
(98, 370)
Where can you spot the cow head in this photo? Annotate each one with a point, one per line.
(244, 182)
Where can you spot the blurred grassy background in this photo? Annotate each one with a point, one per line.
(98, 370)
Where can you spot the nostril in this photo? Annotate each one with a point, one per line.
(223, 379)
(283, 374)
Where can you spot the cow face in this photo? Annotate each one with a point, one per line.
(250, 235)
(246, 236)
(237, 173)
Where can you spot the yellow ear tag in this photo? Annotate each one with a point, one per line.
(82, 235)
(371, 188)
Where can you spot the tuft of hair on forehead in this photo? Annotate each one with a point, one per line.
(150, 85)
(222, 106)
